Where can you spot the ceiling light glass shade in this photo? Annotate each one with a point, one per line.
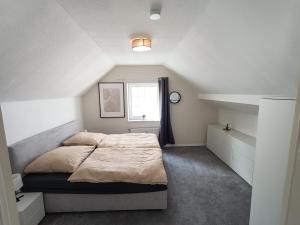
(155, 16)
(141, 44)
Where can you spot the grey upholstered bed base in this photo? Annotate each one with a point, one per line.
(104, 202)
(23, 152)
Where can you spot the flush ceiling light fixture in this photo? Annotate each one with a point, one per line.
(141, 44)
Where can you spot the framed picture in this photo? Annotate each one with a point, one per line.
(111, 99)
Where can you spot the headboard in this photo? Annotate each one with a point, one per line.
(23, 152)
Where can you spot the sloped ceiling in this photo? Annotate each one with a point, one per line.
(44, 53)
(51, 49)
(112, 22)
(242, 47)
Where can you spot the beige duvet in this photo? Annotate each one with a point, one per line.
(132, 165)
(129, 140)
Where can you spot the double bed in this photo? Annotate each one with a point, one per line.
(123, 172)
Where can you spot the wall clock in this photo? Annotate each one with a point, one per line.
(174, 97)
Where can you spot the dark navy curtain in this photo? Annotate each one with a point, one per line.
(165, 131)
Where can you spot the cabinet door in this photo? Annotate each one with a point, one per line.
(225, 147)
(212, 138)
(217, 142)
(243, 148)
(242, 166)
(275, 122)
(242, 161)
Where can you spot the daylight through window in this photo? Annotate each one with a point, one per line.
(143, 102)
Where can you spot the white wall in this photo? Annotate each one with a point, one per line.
(27, 118)
(189, 118)
(241, 121)
(275, 124)
(292, 201)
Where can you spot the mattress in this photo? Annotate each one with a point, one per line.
(58, 183)
(129, 140)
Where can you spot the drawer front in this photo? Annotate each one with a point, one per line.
(214, 140)
(242, 148)
(211, 139)
(219, 143)
(243, 166)
(34, 213)
(37, 217)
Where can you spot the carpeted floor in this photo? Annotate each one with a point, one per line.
(202, 190)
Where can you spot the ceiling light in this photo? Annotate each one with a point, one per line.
(155, 15)
(141, 44)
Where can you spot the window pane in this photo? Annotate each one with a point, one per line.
(143, 102)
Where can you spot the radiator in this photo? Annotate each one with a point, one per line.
(153, 130)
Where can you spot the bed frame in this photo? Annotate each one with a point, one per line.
(23, 152)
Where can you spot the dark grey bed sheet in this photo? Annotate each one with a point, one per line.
(58, 183)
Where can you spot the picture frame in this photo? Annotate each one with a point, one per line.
(111, 99)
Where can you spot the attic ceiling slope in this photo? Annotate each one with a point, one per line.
(54, 49)
(111, 23)
(44, 54)
(242, 47)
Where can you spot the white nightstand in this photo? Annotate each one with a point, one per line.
(31, 208)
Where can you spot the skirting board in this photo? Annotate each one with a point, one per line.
(185, 145)
(104, 202)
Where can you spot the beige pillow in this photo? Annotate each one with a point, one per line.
(85, 138)
(65, 159)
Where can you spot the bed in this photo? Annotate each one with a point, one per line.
(61, 195)
(58, 183)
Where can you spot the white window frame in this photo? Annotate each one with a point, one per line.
(137, 119)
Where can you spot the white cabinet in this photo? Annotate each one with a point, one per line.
(275, 121)
(31, 208)
(234, 148)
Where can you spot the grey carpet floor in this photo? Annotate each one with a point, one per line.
(202, 190)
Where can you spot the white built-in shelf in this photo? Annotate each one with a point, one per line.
(239, 99)
(249, 140)
(236, 149)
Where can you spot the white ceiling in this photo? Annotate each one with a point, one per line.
(51, 49)
(44, 53)
(243, 47)
(112, 22)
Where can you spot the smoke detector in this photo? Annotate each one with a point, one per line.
(155, 14)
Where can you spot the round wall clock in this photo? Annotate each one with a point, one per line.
(174, 97)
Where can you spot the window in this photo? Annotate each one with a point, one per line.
(143, 102)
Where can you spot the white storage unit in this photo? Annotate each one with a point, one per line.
(234, 148)
(31, 208)
(275, 122)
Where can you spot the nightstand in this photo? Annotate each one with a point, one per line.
(31, 208)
